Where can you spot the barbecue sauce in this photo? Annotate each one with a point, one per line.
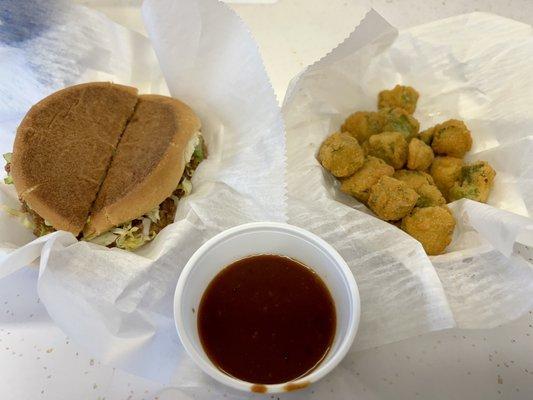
(266, 319)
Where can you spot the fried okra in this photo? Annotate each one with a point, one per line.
(430, 196)
(431, 226)
(391, 199)
(426, 136)
(423, 184)
(389, 170)
(475, 184)
(404, 97)
(358, 185)
(414, 179)
(451, 138)
(399, 120)
(419, 155)
(391, 147)
(341, 154)
(445, 172)
(362, 124)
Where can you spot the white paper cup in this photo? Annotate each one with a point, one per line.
(266, 238)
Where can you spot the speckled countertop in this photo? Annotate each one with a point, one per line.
(37, 361)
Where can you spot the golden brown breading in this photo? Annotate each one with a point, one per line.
(391, 147)
(341, 154)
(426, 136)
(431, 226)
(430, 196)
(414, 179)
(399, 120)
(419, 155)
(391, 199)
(423, 184)
(451, 138)
(358, 185)
(404, 97)
(362, 124)
(476, 182)
(445, 172)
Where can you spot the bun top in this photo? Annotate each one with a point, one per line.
(63, 149)
(148, 163)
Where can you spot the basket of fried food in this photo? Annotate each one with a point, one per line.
(404, 175)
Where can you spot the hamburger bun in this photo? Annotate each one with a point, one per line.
(63, 149)
(148, 163)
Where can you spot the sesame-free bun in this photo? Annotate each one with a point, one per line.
(148, 163)
(63, 149)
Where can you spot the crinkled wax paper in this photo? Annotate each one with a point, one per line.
(472, 67)
(119, 304)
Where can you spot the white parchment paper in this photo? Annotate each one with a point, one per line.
(119, 304)
(486, 276)
(473, 67)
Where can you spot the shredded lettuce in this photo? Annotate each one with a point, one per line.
(8, 180)
(21, 215)
(176, 199)
(43, 230)
(199, 150)
(126, 236)
(153, 215)
(129, 237)
(27, 223)
(105, 239)
(186, 186)
(12, 211)
(147, 223)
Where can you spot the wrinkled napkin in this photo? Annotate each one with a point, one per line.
(115, 303)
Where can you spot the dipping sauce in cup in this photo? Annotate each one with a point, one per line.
(266, 319)
(266, 307)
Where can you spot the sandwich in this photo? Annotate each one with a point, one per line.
(104, 163)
